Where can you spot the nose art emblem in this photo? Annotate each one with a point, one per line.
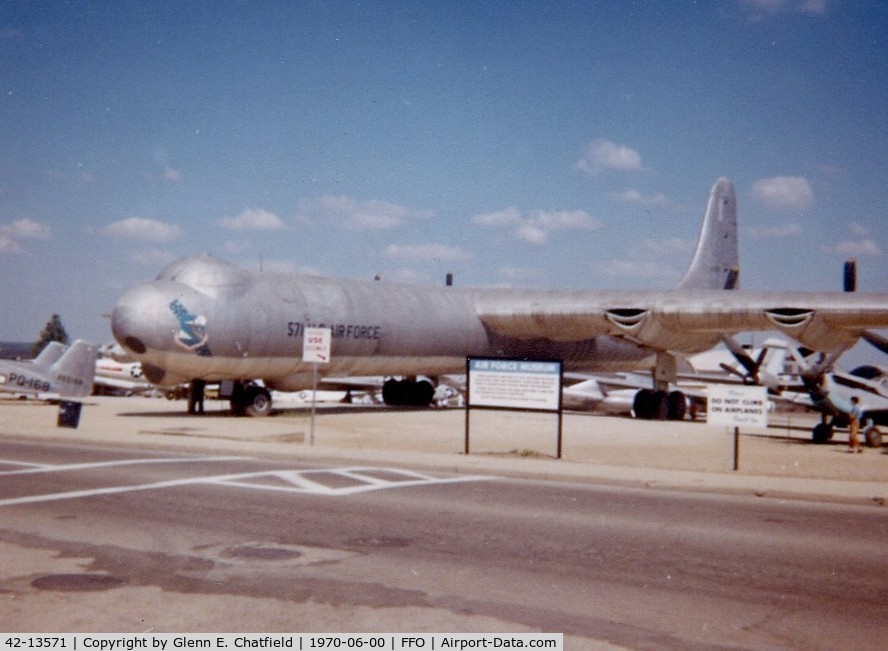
(192, 333)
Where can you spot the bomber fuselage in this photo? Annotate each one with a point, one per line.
(203, 318)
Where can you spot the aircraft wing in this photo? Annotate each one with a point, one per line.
(119, 383)
(352, 382)
(685, 321)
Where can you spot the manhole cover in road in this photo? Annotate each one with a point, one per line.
(270, 555)
(259, 553)
(77, 582)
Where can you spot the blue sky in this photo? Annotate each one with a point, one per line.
(525, 144)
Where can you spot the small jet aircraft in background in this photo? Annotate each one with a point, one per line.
(66, 372)
(206, 320)
(118, 378)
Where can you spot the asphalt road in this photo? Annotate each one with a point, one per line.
(107, 539)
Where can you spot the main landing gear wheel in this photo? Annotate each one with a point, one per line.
(872, 436)
(250, 400)
(408, 393)
(659, 405)
(822, 433)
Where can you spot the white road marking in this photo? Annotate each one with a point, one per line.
(360, 479)
(37, 467)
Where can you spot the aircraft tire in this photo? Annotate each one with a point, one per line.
(395, 392)
(258, 401)
(641, 404)
(677, 405)
(403, 393)
(822, 433)
(873, 437)
(660, 406)
(421, 393)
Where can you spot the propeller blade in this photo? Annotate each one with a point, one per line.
(876, 340)
(743, 357)
(733, 371)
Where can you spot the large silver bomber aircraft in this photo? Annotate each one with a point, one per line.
(207, 320)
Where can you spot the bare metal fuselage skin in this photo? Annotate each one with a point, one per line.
(203, 318)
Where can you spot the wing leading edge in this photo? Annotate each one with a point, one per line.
(686, 321)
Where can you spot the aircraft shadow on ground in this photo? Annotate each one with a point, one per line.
(279, 412)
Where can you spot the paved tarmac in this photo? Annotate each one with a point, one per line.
(776, 462)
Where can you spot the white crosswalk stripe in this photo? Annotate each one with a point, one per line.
(331, 482)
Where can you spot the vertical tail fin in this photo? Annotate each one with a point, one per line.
(72, 375)
(50, 354)
(716, 263)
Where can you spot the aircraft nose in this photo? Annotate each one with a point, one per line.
(142, 319)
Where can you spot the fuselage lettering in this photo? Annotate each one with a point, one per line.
(338, 330)
(26, 382)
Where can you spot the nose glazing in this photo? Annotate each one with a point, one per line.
(142, 319)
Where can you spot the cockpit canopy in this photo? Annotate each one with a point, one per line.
(207, 274)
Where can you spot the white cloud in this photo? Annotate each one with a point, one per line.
(254, 219)
(25, 229)
(9, 245)
(854, 248)
(636, 198)
(12, 233)
(669, 246)
(604, 154)
(775, 231)
(637, 269)
(760, 8)
(361, 215)
(425, 252)
(565, 220)
(151, 258)
(534, 227)
(171, 175)
(509, 217)
(519, 274)
(783, 192)
(531, 234)
(285, 267)
(141, 228)
(858, 229)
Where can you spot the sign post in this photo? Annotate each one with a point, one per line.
(734, 406)
(316, 343)
(513, 384)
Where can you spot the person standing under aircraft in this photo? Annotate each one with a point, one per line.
(854, 426)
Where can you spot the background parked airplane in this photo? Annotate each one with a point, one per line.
(828, 389)
(57, 371)
(113, 377)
